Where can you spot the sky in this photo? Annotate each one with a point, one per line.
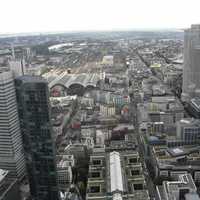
(19, 16)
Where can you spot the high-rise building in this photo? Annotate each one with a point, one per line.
(33, 105)
(11, 148)
(17, 67)
(191, 71)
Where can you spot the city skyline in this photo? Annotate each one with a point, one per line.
(36, 16)
(99, 100)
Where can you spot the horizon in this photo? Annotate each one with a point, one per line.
(11, 34)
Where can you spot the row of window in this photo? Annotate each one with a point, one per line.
(98, 162)
(98, 189)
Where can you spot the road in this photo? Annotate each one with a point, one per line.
(149, 182)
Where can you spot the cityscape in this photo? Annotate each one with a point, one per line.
(100, 115)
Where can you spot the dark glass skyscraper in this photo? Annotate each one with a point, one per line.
(33, 104)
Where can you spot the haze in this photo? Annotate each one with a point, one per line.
(75, 15)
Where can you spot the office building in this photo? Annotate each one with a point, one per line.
(191, 71)
(33, 106)
(11, 148)
(188, 129)
(17, 67)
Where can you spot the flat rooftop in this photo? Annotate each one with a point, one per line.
(29, 78)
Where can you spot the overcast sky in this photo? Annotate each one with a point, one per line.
(73, 15)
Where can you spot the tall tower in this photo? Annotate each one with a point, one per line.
(33, 105)
(191, 70)
(13, 51)
(17, 67)
(11, 148)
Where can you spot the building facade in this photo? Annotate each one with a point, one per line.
(64, 171)
(11, 148)
(188, 129)
(17, 67)
(107, 110)
(191, 70)
(33, 106)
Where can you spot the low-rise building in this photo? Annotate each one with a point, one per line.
(161, 109)
(62, 108)
(108, 60)
(107, 110)
(182, 188)
(116, 175)
(168, 162)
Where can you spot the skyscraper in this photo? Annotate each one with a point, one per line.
(11, 148)
(17, 67)
(33, 105)
(191, 71)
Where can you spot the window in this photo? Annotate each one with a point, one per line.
(135, 172)
(132, 160)
(96, 162)
(95, 174)
(94, 189)
(138, 186)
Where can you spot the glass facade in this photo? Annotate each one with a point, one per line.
(33, 106)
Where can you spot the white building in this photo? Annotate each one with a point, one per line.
(17, 67)
(11, 148)
(107, 110)
(108, 60)
(100, 138)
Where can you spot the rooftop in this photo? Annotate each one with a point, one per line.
(67, 80)
(30, 79)
(169, 157)
(190, 122)
(115, 172)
